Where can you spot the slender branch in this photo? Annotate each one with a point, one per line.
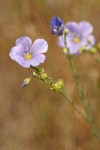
(49, 81)
(80, 88)
(95, 131)
(73, 104)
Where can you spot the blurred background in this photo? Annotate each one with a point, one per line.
(36, 118)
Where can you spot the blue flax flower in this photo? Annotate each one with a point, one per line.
(57, 26)
(80, 35)
(26, 53)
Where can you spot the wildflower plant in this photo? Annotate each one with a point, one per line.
(74, 38)
(26, 53)
(79, 36)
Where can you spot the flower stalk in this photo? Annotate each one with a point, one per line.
(57, 87)
(75, 74)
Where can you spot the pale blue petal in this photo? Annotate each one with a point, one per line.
(23, 62)
(72, 26)
(36, 60)
(85, 27)
(74, 47)
(91, 40)
(39, 46)
(17, 55)
(60, 42)
(25, 42)
(16, 51)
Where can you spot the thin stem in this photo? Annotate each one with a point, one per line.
(80, 88)
(81, 92)
(49, 81)
(71, 102)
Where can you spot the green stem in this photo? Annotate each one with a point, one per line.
(49, 81)
(80, 88)
(73, 104)
(81, 92)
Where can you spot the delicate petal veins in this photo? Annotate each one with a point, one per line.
(16, 51)
(27, 54)
(36, 60)
(39, 46)
(16, 54)
(25, 42)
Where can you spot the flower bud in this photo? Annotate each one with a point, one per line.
(26, 82)
(57, 26)
(58, 85)
(65, 50)
(44, 76)
(40, 70)
(66, 31)
(98, 46)
(93, 50)
(82, 49)
(34, 74)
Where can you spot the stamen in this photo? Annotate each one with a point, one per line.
(76, 40)
(28, 56)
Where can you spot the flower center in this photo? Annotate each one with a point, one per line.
(28, 56)
(76, 40)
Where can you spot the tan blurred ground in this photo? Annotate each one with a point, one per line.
(35, 118)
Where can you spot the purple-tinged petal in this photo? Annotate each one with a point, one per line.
(25, 42)
(39, 46)
(85, 27)
(36, 60)
(16, 51)
(57, 25)
(60, 42)
(56, 21)
(27, 54)
(24, 63)
(74, 47)
(17, 55)
(72, 26)
(91, 41)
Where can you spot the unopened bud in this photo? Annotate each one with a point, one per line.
(26, 82)
(65, 50)
(44, 76)
(82, 49)
(58, 85)
(93, 50)
(98, 46)
(66, 31)
(34, 74)
(40, 70)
